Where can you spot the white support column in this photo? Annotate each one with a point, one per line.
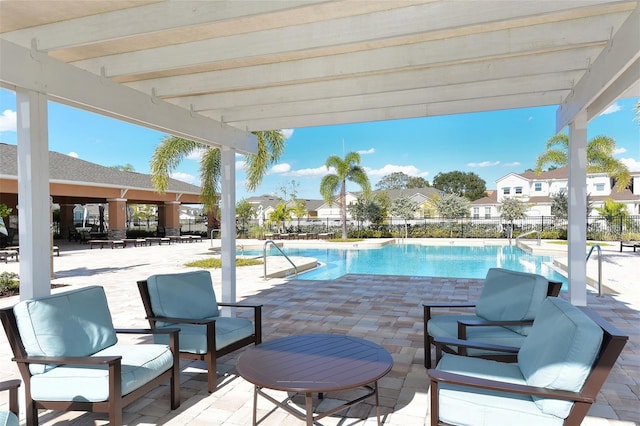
(228, 225)
(577, 232)
(33, 194)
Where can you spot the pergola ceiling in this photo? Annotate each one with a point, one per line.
(260, 65)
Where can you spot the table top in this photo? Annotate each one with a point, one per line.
(314, 363)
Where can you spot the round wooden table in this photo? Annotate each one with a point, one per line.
(314, 363)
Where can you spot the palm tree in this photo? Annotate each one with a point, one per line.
(599, 158)
(336, 184)
(172, 150)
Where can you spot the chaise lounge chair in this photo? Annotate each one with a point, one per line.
(631, 244)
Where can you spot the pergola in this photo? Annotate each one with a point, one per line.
(213, 71)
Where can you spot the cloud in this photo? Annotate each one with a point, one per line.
(185, 177)
(620, 151)
(8, 121)
(612, 108)
(73, 154)
(484, 164)
(392, 168)
(196, 154)
(287, 133)
(280, 168)
(241, 165)
(311, 172)
(367, 151)
(513, 164)
(632, 164)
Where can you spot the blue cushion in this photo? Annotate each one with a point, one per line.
(559, 352)
(7, 418)
(464, 406)
(140, 365)
(193, 338)
(511, 296)
(447, 326)
(72, 323)
(183, 295)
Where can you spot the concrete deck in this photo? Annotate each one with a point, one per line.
(383, 309)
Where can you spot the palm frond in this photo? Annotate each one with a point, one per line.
(166, 158)
(271, 146)
(210, 172)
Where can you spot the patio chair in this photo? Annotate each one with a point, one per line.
(187, 300)
(504, 314)
(631, 244)
(10, 417)
(561, 367)
(69, 357)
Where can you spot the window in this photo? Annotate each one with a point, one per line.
(600, 187)
(487, 212)
(506, 191)
(518, 190)
(538, 186)
(476, 212)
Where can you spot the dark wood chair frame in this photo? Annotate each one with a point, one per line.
(553, 290)
(211, 356)
(631, 244)
(12, 386)
(116, 402)
(612, 344)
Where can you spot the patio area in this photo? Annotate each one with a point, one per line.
(383, 309)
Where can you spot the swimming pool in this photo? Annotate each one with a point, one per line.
(419, 260)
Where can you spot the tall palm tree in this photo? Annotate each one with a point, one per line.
(172, 150)
(332, 184)
(599, 158)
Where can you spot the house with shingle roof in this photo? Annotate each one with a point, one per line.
(538, 191)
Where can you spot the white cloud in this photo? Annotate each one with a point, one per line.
(632, 164)
(280, 168)
(620, 151)
(241, 165)
(287, 133)
(484, 164)
(367, 151)
(8, 121)
(196, 154)
(312, 172)
(392, 168)
(514, 164)
(73, 154)
(612, 108)
(185, 177)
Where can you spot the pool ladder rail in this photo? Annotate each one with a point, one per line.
(597, 246)
(264, 257)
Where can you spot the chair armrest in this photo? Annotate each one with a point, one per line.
(241, 305)
(146, 330)
(427, 308)
(464, 323)
(438, 376)
(10, 384)
(446, 341)
(70, 360)
(197, 321)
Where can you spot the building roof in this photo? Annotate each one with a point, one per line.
(66, 169)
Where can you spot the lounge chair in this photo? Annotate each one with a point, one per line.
(504, 313)
(561, 367)
(68, 355)
(187, 300)
(631, 244)
(10, 417)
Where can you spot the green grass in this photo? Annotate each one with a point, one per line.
(343, 240)
(217, 263)
(589, 243)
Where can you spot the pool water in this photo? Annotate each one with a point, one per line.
(419, 260)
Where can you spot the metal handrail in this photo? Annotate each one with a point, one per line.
(535, 231)
(597, 246)
(264, 257)
(211, 235)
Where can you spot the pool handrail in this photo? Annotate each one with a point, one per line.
(597, 246)
(529, 233)
(264, 257)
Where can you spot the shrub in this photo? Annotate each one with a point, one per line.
(9, 283)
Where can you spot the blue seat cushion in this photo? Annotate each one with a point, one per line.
(511, 296)
(465, 406)
(72, 323)
(193, 338)
(183, 295)
(559, 352)
(140, 364)
(447, 326)
(7, 418)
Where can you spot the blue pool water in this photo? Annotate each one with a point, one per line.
(418, 260)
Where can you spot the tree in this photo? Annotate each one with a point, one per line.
(347, 169)
(125, 168)
(599, 158)
(280, 214)
(467, 185)
(452, 206)
(612, 210)
(404, 208)
(245, 211)
(143, 212)
(172, 150)
(299, 209)
(560, 205)
(512, 209)
(400, 180)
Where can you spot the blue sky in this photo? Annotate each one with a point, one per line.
(490, 144)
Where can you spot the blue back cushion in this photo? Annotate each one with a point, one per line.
(559, 352)
(511, 296)
(183, 295)
(72, 323)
